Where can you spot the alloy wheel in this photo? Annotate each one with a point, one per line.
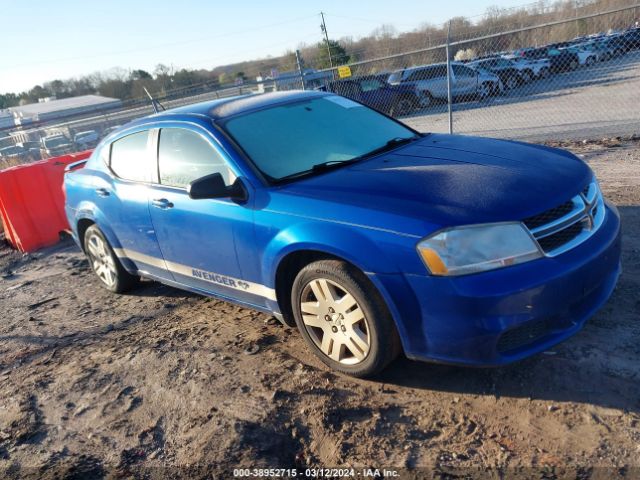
(335, 321)
(102, 260)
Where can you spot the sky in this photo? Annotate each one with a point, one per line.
(45, 40)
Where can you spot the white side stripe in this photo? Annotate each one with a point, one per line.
(210, 277)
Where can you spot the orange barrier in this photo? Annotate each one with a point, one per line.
(32, 202)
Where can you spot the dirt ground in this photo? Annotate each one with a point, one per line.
(163, 383)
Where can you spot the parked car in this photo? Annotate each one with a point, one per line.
(563, 60)
(32, 150)
(12, 152)
(86, 140)
(532, 53)
(375, 92)
(631, 39)
(586, 56)
(505, 70)
(603, 49)
(371, 237)
(55, 145)
(430, 82)
(530, 68)
(618, 45)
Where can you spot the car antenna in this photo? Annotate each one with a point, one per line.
(154, 103)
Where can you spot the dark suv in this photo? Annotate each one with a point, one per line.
(375, 92)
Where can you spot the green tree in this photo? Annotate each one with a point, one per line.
(339, 54)
(140, 75)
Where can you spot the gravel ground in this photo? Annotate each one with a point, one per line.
(164, 383)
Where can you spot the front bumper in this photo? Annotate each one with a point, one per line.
(497, 317)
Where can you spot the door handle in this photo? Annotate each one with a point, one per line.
(102, 192)
(162, 203)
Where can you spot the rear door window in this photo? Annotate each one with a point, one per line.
(462, 71)
(422, 74)
(185, 156)
(129, 157)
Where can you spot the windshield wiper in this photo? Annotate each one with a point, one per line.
(328, 165)
(390, 145)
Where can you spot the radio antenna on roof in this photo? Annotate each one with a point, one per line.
(154, 103)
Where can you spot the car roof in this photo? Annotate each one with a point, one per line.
(225, 107)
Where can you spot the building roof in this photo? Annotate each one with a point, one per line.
(70, 103)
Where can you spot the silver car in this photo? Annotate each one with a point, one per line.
(430, 82)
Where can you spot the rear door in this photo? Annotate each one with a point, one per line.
(465, 80)
(197, 237)
(437, 81)
(121, 195)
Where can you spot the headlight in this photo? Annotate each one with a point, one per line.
(477, 248)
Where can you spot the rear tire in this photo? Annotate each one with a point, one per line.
(427, 99)
(105, 264)
(404, 106)
(343, 318)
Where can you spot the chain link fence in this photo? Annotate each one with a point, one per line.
(558, 79)
(565, 79)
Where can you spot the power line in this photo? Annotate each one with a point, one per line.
(158, 46)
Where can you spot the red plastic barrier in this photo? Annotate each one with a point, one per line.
(32, 202)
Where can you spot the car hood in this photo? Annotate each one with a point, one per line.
(443, 180)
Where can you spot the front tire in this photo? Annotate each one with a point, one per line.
(485, 91)
(511, 83)
(343, 318)
(105, 264)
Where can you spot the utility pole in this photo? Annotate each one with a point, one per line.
(323, 27)
(300, 72)
(449, 79)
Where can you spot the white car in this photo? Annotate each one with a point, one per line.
(430, 82)
(587, 54)
(530, 68)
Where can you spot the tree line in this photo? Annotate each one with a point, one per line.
(384, 41)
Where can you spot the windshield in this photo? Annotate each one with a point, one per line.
(288, 139)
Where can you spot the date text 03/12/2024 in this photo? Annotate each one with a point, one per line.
(315, 473)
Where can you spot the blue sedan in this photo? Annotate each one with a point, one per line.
(372, 238)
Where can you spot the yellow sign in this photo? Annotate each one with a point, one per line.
(344, 71)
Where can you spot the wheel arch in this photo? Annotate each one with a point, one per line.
(291, 250)
(81, 228)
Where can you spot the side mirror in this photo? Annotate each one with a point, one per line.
(213, 186)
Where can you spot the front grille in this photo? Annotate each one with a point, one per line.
(522, 336)
(549, 216)
(560, 238)
(570, 223)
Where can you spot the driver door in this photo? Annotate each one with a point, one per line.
(196, 237)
